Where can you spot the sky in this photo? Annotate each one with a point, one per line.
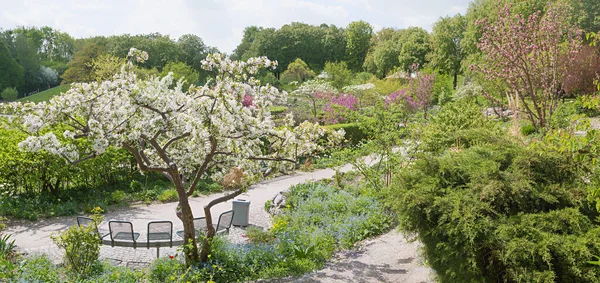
(219, 23)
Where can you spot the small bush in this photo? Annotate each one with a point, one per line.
(81, 247)
(117, 197)
(166, 270)
(168, 195)
(9, 94)
(527, 130)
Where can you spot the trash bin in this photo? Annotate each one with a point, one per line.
(241, 209)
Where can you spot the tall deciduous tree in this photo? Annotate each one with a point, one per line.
(358, 36)
(415, 46)
(447, 54)
(11, 73)
(80, 68)
(183, 135)
(524, 52)
(27, 56)
(297, 71)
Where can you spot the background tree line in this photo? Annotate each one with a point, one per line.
(34, 59)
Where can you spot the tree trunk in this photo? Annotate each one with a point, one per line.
(187, 218)
(455, 82)
(210, 229)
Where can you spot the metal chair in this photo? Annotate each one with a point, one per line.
(224, 223)
(87, 222)
(122, 231)
(159, 231)
(199, 226)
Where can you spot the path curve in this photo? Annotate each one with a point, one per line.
(34, 237)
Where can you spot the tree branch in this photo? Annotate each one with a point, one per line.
(140, 160)
(271, 159)
(207, 159)
(169, 142)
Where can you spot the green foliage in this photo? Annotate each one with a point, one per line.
(7, 247)
(497, 212)
(458, 125)
(276, 110)
(11, 73)
(9, 94)
(181, 71)
(319, 220)
(41, 269)
(297, 71)
(358, 36)
(258, 236)
(80, 68)
(42, 185)
(315, 45)
(168, 195)
(414, 49)
(105, 66)
(443, 89)
(354, 133)
(447, 54)
(165, 270)
(46, 94)
(117, 196)
(527, 129)
(340, 74)
(38, 269)
(81, 247)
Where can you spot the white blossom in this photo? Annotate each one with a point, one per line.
(211, 120)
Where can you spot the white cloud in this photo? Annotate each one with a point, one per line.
(219, 23)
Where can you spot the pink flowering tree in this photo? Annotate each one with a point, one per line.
(525, 54)
(182, 135)
(338, 107)
(315, 91)
(421, 90)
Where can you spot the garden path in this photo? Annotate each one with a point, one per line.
(388, 258)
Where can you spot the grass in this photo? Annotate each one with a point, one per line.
(46, 94)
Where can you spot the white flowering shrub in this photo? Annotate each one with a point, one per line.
(181, 134)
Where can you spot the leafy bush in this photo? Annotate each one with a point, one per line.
(168, 195)
(458, 125)
(81, 246)
(498, 212)
(166, 270)
(9, 94)
(117, 196)
(527, 129)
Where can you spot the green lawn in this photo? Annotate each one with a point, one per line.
(46, 94)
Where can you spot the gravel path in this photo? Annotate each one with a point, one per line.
(388, 258)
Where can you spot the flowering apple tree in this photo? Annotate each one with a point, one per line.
(180, 134)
